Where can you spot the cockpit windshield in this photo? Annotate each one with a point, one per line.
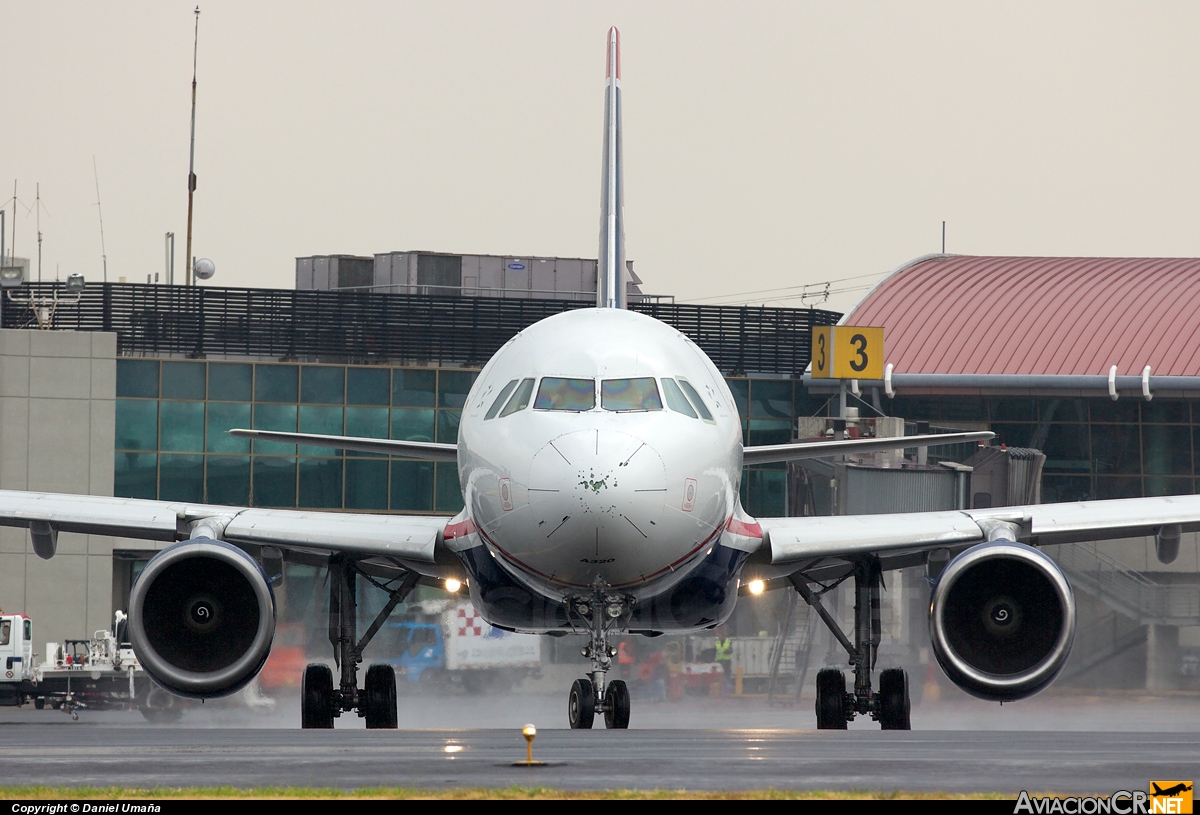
(676, 401)
(499, 403)
(705, 414)
(558, 393)
(640, 393)
(520, 399)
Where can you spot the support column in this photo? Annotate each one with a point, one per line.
(1162, 658)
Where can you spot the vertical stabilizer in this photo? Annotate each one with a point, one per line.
(610, 272)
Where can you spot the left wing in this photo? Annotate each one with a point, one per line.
(412, 541)
(799, 543)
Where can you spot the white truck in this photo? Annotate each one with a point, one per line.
(447, 643)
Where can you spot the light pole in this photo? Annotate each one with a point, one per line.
(192, 154)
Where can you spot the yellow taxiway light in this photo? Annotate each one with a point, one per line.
(529, 731)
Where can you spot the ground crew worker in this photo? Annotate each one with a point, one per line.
(724, 649)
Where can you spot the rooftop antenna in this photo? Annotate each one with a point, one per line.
(100, 212)
(943, 237)
(38, 200)
(192, 153)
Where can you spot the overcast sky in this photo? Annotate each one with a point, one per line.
(767, 144)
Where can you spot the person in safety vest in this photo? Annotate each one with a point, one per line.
(724, 648)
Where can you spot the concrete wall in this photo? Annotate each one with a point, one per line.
(57, 412)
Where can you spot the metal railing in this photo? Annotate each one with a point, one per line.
(356, 327)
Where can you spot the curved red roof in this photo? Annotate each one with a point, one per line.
(951, 314)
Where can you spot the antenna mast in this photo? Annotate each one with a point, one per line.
(38, 199)
(100, 212)
(192, 153)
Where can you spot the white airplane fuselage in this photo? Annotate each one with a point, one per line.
(609, 486)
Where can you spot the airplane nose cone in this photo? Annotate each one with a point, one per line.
(596, 497)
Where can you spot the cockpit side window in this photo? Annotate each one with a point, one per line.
(676, 401)
(630, 394)
(520, 399)
(695, 399)
(558, 393)
(499, 403)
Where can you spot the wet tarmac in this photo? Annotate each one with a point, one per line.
(1056, 742)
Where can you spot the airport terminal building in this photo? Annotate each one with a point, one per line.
(132, 391)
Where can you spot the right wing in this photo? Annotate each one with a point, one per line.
(794, 451)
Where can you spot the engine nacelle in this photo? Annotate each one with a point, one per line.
(201, 618)
(1002, 620)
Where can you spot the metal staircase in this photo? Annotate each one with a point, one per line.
(1125, 590)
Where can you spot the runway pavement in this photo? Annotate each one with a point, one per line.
(1055, 743)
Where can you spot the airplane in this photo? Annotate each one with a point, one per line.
(600, 457)
(1171, 791)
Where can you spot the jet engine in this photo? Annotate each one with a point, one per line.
(1002, 620)
(201, 618)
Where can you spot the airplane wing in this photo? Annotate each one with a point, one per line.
(409, 540)
(772, 453)
(805, 542)
(423, 450)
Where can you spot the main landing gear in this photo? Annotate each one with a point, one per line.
(320, 701)
(599, 614)
(835, 707)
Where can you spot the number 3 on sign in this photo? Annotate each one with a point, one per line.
(847, 352)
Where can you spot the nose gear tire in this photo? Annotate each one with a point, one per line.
(581, 705)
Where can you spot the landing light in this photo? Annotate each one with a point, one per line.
(453, 585)
(756, 586)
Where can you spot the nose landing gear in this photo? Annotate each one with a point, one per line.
(599, 614)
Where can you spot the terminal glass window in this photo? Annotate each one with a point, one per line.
(136, 425)
(453, 387)
(276, 383)
(182, 426)
(222, 417)
(230, 381)
(275, 417)
(322, 384)
(629, 394)
(367, 386)
(137, 378)
(413, 388)
(183, 380)
(557, 393)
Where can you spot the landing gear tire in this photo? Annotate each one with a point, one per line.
(831, 700)
(39, 703)
(380, 696)
(616, 706)
(581, 705)
(893, 700)
(316, 698)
